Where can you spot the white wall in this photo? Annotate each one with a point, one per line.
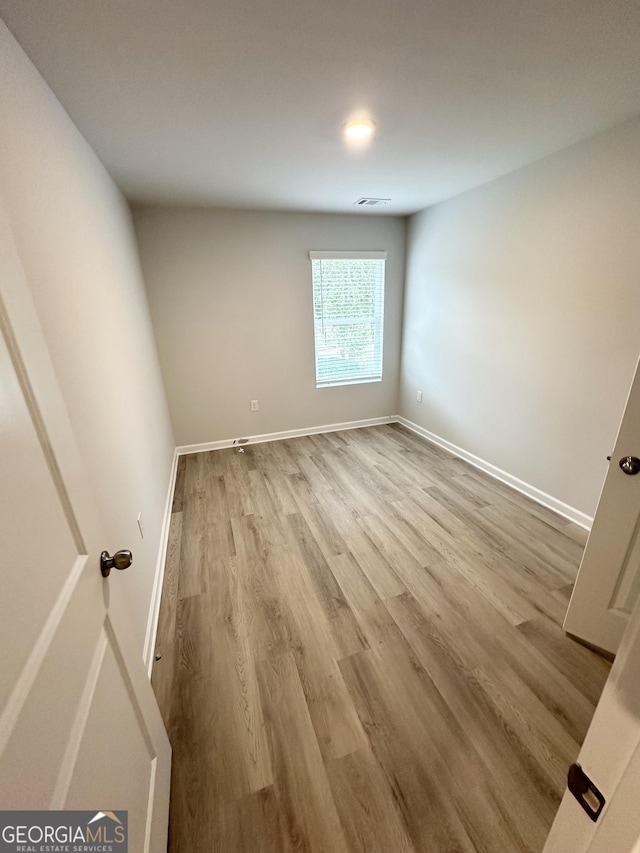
(522, 315)
(230, 297)
(74, 234)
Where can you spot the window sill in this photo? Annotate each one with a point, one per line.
(347, 382)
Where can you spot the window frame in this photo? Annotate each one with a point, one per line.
(354, 255)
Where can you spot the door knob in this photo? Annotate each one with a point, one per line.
(630, 465)
(120, 560)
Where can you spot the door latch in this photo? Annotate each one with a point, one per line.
(585, 791)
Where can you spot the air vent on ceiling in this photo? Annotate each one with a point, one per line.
(372, 202)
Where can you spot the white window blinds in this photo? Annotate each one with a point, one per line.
(348, 306)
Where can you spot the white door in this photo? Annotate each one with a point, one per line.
(79, 725)
(610, 756)
(608, 582)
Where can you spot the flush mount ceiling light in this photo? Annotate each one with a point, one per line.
(359, 128)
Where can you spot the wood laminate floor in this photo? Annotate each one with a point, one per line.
(361, 651)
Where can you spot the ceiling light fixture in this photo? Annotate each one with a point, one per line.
(360, 128)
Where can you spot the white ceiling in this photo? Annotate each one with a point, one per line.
(240, 104)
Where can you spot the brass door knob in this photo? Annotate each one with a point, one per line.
(630, 465)
(120, 560)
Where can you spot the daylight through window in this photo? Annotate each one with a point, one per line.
(348, 307)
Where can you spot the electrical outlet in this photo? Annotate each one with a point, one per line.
(140, 525)
(254, 406)
(419, 396)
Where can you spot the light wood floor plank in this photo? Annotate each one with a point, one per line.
(500, 492)
(178, 489)
(166, 642)
(583, 668)
(220, 733)
(411, 740)
(335, 721)
(301, 783)
(347, 636)
(323, 529)
(253, 824)
(525, 572)
(237, 487)
(422, 512)
(374, 564)
(500, 536)
(478, 630)
(534, 725)
(555, 548)
(508, 770)
(361, 651)
(372, 616)
(371, 819)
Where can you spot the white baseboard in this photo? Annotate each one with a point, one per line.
(279, 436)
(156, 595)
(530, 491)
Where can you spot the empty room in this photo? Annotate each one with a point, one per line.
(319, 426)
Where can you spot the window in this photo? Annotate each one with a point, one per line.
(348, 309)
